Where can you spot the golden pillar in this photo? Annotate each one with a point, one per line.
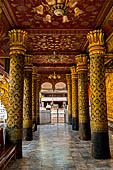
(84, 120)
(69, 87)
(27, 100)
(99, 124)
(16, 80)
(37, 100)
(34, 83)
(74, 78)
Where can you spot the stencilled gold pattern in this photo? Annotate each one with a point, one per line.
(27, 100)
(83, 102)
(109, 95)
(97, 82)
(4, 92)
(34, 84)
(74, 77)
(69, 87)
(15, 105)
(38, 86)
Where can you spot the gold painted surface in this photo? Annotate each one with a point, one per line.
(34, 83)
(15, 102)
(98, 94)
(109, 95)
(16, 80)
(33, 99)
(83, 102)
(96, 42)
(27, 100)
(17, 41)
(109, 43)
(28, 62)
(69, 88)
(4, 92)
(74, 92)
(81, 61)
(97, 81)
(38, 86)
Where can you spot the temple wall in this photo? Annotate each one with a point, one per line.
(109, 98)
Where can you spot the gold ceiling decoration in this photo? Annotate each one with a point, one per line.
(58, 8)
(54, 76)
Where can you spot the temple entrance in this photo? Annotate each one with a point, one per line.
(53, 102)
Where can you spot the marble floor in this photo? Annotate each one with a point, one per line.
(57, 147)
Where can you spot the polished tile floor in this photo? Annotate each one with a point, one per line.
(57, 147)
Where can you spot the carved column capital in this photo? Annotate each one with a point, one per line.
(96, 42)
(38, 77)
(74, 74)
(68, 78)
(17, 39)
(81, 61)
(28, 62)
(34, 73)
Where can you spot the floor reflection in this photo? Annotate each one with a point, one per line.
(57, 147)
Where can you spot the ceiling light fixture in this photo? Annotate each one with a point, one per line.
(58, 8)
(54, 76)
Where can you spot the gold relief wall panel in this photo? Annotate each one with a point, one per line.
(109, 95)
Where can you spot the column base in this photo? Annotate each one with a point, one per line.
(27, 134)
(75, 123)
(70, 119)
(100, 145)
(84, 131)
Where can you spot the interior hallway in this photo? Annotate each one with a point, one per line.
(57, 147)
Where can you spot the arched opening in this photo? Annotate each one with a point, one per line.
(60, 86)
(53, 100)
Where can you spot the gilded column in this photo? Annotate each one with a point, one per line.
(83, 107)
(37, 100)
(74, 78)
(99, 124)
(16, 80)
(27, 100)
(34, 83)
(69, 87)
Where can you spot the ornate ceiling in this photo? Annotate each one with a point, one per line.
(25, 16)
(65, 38)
